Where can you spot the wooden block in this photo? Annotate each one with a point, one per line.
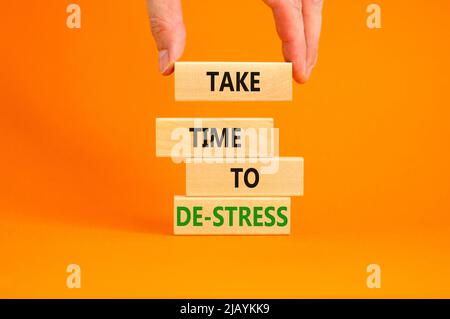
(281, 176)
(232, 215)
(182, 138)
(233, 81)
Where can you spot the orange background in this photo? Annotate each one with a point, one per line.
(80, 182)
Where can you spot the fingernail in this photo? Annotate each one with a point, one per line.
(310, 67)
(163, 60)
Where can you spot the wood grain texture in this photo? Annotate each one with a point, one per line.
(193, 84)
(250, 215)
(173, 138)
(281, 176)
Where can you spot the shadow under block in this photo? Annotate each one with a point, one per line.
(244, 137)
(232, 215)
(233, 81)
(281, 176)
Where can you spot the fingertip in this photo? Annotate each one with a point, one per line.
(309, 72)
(310, 67)
(300, 73)
(168, 57)
(164, 61)
(169, 70)
(300, 79)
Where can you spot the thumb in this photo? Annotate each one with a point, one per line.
(166, 19)
(289, 22)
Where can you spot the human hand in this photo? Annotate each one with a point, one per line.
(298, 24)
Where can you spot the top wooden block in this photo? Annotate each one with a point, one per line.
(233, 81)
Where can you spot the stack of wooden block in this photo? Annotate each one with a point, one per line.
(236, 182)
